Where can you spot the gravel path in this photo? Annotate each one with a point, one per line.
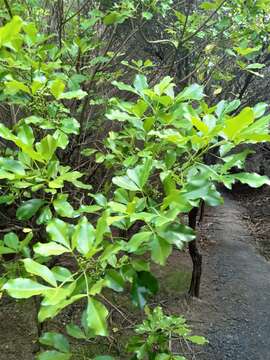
(236, 284)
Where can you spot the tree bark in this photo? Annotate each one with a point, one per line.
(196, 257)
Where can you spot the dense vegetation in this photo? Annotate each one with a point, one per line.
(109, 113)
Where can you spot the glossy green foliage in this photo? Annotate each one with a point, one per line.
(155, 160)
(156, 332)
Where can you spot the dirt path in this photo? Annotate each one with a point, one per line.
(236, 286)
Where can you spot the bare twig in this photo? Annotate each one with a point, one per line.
(76, 13)
(8, 8)
(204, 23)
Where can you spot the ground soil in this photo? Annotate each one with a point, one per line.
(233, 312)
(257, 205)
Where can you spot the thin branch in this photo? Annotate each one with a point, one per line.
(206, 81)
(182, 36)
(76, 13)
(204, 23)
(8, 8)
(96, 69)
(121, 46)
(192, 72)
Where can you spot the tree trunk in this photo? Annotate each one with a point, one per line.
(196, 257)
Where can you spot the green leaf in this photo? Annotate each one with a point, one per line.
(123, 116)
(252, 179)
(45, 215)
(247, 51)
(62, 274)
(57, 87)
(113, 17)
(5, 133)
(26, 241)
(55, 340)
(13, 87)
(28, 150)
(140, 83)
(89, 209)
(75, 331)
(26, 135)
(235, 160)
(259, 109)
(124, 87)
(50, 249)
(255, 66)
(96, 317)
(101, 228)
(61, 139)
(42, 271)
(21, 288)
(140, 265)
(70, 126)
(165, 87)
(137, 240)
(97, 287)
(114, 280)
(83, 236)
(50, 311)
(192, 92)
(47, 147)
(63, 207)
(125, 182)
(140, 108)
(10, 31)
(31, 30)
(259, 127)
(136, 178)
(100, 199)
(70, 176)
(177, 234)
(144, 285)
(199, 187)
(223, 107)
(53, 355)
(140, 174)
(200, 125)
(164, 356)
(75, 94)
(206, 5)
(59, 294)
(28, 209)
(199, 340)
(11, 240)
(5, 250)
(59, 232)
(234, 125)
(160, 250)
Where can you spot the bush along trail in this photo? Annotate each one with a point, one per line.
(75, 241)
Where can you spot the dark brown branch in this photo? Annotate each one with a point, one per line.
(8, 8)
(76, 13)
(182, 36)
(204, 23)
(96, 69)
(195, 255)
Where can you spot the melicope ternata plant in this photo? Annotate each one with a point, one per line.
(158, 173)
